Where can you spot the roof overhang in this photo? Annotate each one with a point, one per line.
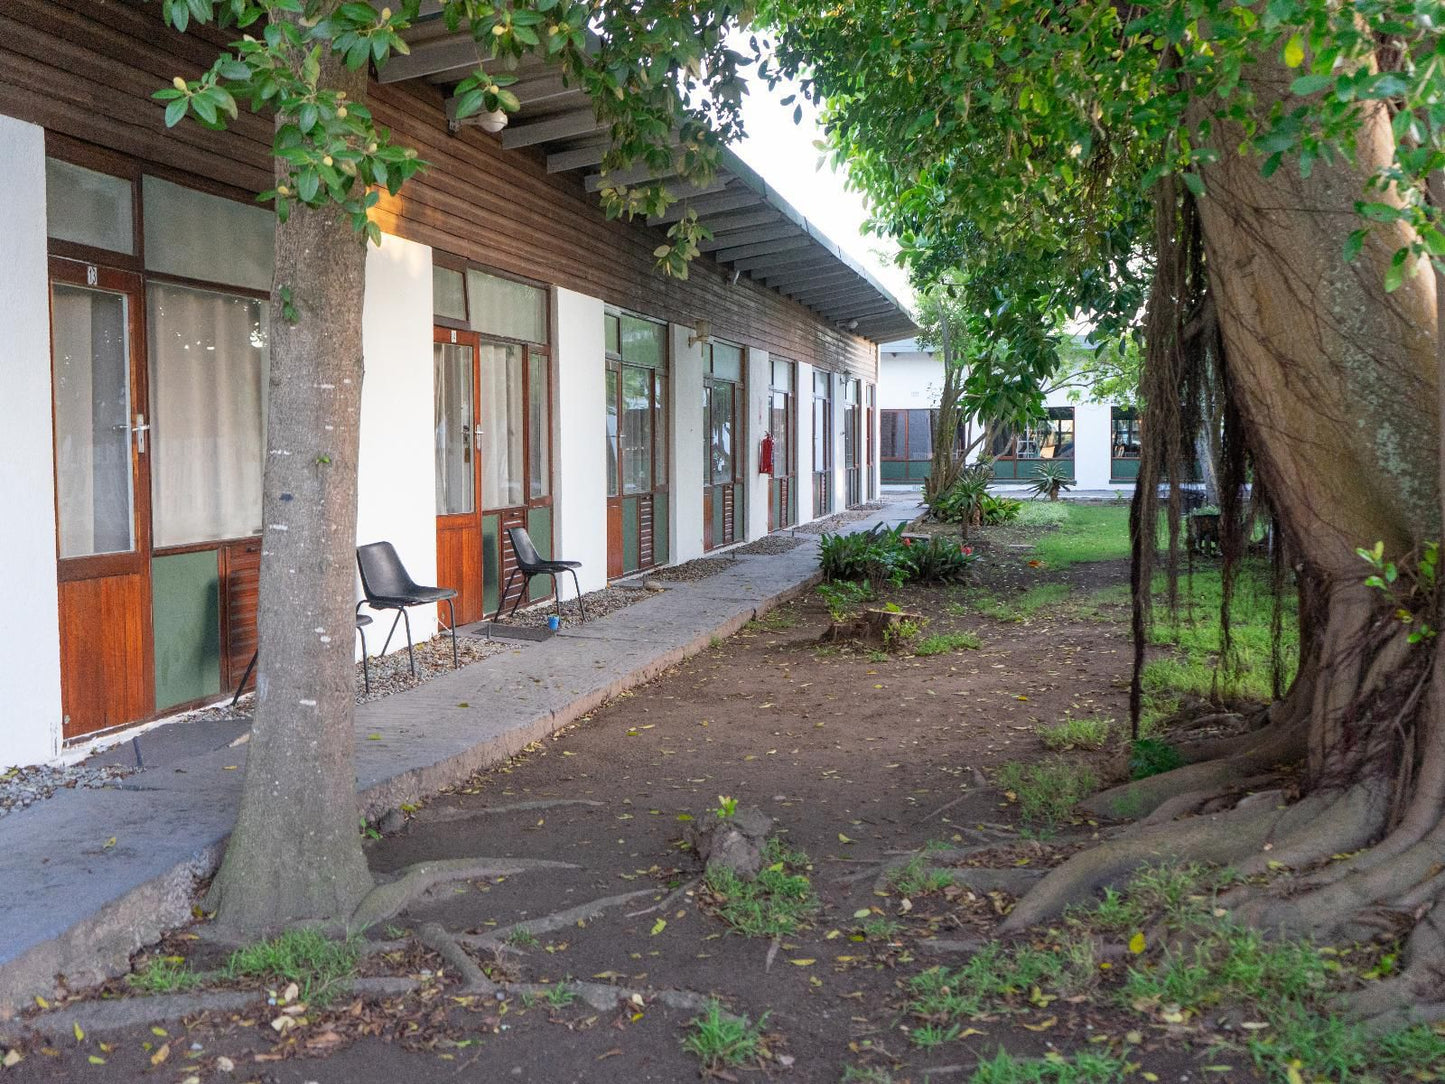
(756, 232)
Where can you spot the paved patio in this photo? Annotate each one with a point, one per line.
(74, 903)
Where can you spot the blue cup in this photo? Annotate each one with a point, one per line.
(554, 622)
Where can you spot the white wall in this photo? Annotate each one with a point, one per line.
(804, 411)
(1093, 444)
(840, 463)
(685, 486)
(579, 414)
(30, 662)
(759, 391)
(912, 381)
(396, 490)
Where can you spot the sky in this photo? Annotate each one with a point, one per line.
(784, 154)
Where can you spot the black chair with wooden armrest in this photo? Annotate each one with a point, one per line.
(387, 586)
(530, 563)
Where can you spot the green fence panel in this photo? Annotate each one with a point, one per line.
(631, 538)
(186, 617)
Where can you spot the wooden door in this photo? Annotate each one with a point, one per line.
(458, 471)
(102, 497)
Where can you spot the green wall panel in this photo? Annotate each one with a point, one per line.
(1123, 470)
(1022, 470)
(491, 558)
(631, 544)
(719, 518)
(539, 526)
(661, 529)
(186, 616)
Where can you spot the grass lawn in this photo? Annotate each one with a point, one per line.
(1093, 532)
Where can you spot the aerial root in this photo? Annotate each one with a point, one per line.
(445, 816)
(1220, 839)
(413, 882)
(672, 897)
(558, 920)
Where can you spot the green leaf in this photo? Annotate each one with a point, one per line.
(1394, 278)
(176, 111)
(1311, 84)
(1195, 183)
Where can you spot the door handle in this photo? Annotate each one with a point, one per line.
(139, 429)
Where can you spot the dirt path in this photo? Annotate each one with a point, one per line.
(858, 756)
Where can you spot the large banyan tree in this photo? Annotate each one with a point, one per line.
(1272, 165)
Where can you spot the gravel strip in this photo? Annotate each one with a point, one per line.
(598, 603)
(698, 569)
(833, 522)
(21, 787)
(770, 544)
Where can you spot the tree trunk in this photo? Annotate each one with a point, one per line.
(295, 854)
(1337, 384)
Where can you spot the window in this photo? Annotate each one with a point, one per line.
(454, 414)
(723, 364)
(208, 363)
(1125, 422)
(89, 208)
(892, 433)
(501, 394)
(539, 420)
(449, 293)
(780, 422)
(920, 434)
(852, 424)
(822, 423)
(1051, 437)
(196, 235)
(506, 308)
(636, 403)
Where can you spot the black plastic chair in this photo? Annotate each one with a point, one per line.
(362, 620)
(530, 563)
(386, 585)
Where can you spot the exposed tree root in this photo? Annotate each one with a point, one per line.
(1350, 822)
(386, 900)
(1414, 996)
(1278, 743)
(671, 898)
(558, 920)
(436, 938)
(1222, 839)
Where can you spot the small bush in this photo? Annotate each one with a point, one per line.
(842, 597)
(874, 557)
(1091, 732)
(1047, 791)
(940, 560)
(777, 903)
(1039, 514)
(963, 501)
(996, 510)
(1050, 480)
(947, 641)
(1149, 756)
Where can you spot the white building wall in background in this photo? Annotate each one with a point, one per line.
(803, 410)
(686, 477)
(579, 416)
(840, 463)
(30, 675)
(759, 384)
(396, 471)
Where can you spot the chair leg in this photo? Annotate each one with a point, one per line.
(391, 630)
(246, 676)
(410, 654)
(556, 595)
(502, 598)
(365, 665)
(452, 616)
(578, 588)
(526, 587)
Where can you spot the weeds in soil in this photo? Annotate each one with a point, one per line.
(880, 929)
(522, 938)
(1046, 791)
(843, 597)
(561, 995)
(996, 979)
(1089, 732)
(1023, 606)
(1150, 756)
(720, 1039)
(942, 643)
(775, 621)
(778, 902)
(317, 964)
(917, 878)
(1085, 1067)
(164, 975)
(866, 1074)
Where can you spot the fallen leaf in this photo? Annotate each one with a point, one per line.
(1043, 1025)
(863, 912)
(162, 1032)
(109, 843)
(1137, 943)
(803, 963)
(844, 839)
(225, 1064)
(373, 737)
(162, 1054)
(1134, 1038)
(12, 1058)
(41, 1002)
(291, 992)
(96, 1059)
(79, 1034)
(659, 926)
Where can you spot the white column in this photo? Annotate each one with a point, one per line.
(686, 428)
(1092, 445)
(30, 670)
(804, 411)
(840, 465)
(396, 483)
(579, 412)
(759, 396)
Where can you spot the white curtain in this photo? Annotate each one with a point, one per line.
(208, 373)
(501, 406)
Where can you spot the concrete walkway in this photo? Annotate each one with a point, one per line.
(87, 877)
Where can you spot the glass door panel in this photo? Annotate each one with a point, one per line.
(95, 479)
(455, 424)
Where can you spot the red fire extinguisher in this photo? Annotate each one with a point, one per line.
(765, 455)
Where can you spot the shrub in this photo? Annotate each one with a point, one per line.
(996, 510)
(1050, 480)
(962, 502)
(940, 560)
(876, 557)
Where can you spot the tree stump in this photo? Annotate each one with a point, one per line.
(735, 843)
(881, 627)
